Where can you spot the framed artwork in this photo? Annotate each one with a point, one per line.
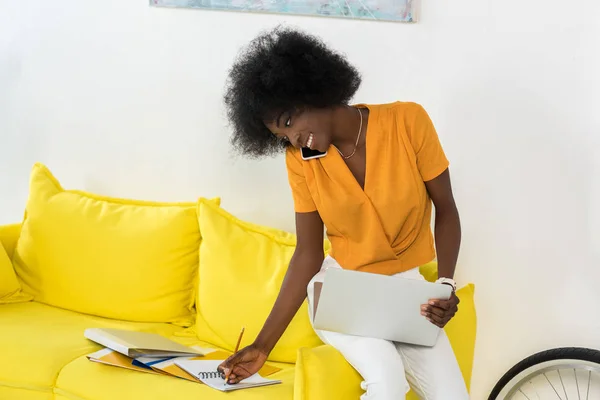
(383, 10)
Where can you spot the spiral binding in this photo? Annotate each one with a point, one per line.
(210, 375)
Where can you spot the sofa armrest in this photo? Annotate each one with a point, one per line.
(9, 234)
(323, 373)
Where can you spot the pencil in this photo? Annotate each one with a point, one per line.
(237, 347)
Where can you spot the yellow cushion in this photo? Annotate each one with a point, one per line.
(10, 289)
(317, 368)
(242, 266)
(122, 259)
(83, 379)
(9, 234)
(37, 341)
(429, 271)
(462, 331)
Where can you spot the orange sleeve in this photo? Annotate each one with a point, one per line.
(431, 159)
(303, 201)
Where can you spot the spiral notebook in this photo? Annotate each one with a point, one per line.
(206, 371)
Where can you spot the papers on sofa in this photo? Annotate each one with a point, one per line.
(206, 372)
(138, 344)
(169, 365)
(164, 366)
(111, 357)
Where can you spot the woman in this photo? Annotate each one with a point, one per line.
(373, 192)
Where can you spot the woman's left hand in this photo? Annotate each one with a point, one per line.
(439, 312)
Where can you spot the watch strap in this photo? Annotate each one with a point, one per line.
(447, 281)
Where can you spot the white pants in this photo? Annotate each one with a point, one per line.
(388, 368)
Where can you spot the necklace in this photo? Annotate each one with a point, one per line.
(357, 139)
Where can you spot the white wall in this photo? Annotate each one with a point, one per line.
(125, 100)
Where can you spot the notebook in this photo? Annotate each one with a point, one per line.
(139, 344)
(206, 372)
(169, 366)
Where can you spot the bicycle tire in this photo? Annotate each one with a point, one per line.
(561, 353)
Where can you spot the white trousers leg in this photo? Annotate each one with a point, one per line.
(390, 369)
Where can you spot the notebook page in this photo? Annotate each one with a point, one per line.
(206, 371)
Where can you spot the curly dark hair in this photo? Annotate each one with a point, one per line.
(282, 70)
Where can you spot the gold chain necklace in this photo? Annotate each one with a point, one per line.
(357, 138)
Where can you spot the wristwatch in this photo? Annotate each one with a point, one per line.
(447, 281)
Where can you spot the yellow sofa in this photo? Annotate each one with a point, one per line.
(77, 261)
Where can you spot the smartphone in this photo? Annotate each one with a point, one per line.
(309, 154)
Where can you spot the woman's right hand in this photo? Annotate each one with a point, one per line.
(243, 364)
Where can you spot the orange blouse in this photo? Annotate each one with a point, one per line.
(385, 228)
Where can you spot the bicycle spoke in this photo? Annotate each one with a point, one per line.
(535, 388)
(553, 388)
(589, 381)
(562, 383)
(524, 394)
(577, 383)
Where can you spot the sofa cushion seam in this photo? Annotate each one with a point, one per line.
(54, 385)
(33, 388)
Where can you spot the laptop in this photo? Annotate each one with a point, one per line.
(380, 306)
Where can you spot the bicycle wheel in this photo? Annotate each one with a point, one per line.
(561, 374)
